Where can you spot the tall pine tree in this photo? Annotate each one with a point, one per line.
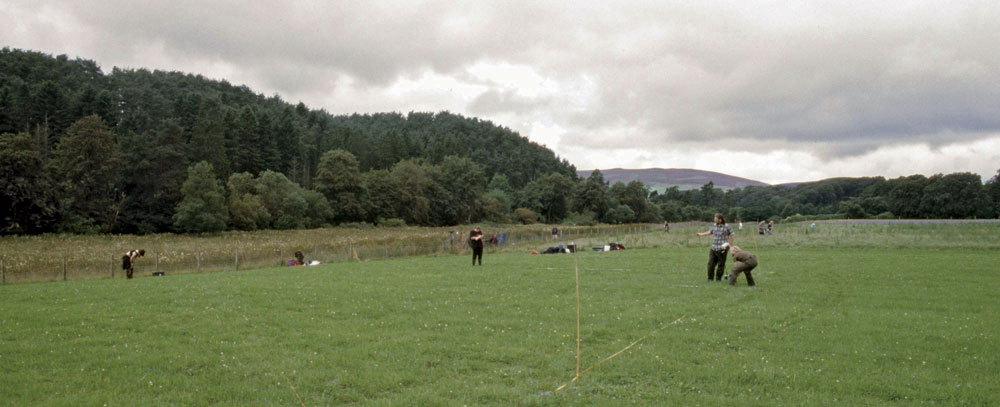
(247, 147)
(85, 166)
(25, 192)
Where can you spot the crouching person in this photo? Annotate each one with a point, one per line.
(744, 263)
(128, 261)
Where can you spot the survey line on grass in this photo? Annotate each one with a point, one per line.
(580, 373)
(576, 267)
(616, 354)
(296, 394)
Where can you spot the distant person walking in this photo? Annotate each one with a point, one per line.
(743, 262)
(476, 243)
(128, 261)
(722, 238)
(770, 227)
(666, 226)
(741, 225)
(760, 227)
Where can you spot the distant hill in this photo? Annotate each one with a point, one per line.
(662, 178)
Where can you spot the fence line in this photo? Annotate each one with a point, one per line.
(92, 266)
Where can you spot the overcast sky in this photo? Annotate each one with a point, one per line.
(775, 91)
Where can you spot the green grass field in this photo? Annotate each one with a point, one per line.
(904, 320)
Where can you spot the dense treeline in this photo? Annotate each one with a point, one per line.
(957, 195)
(136, 151)
(86, 151)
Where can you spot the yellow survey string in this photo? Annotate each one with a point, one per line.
(755, 251)
(297, 395)
(614, 355)
(576, 267)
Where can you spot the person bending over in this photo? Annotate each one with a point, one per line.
(743, 262)
(128, 261)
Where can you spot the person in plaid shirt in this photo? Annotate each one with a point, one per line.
(722, 238)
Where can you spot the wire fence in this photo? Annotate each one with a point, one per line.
(15, 268)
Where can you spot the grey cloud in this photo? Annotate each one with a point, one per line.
(850, 86)
(798, 76)
(373, 42)
(505, 101)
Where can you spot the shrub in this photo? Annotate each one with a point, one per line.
(619, 214)
(798, 217)
(525, 216)
(358, 225)
(392, 222)
(853, 211)
(586, 218)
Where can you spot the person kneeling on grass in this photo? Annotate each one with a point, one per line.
(299, 260)
(744, 262)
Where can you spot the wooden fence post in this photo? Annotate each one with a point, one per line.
(3, 272)
(112, 267)
(237, 258)
(198, 266)
(156, 262)
(64, 268)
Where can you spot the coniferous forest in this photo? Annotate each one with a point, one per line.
(139, 151)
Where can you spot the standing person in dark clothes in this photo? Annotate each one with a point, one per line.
(476, 243)
(722, 238)
(744, 261)
(128, 261)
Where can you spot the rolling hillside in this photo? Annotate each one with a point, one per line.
(663, 178)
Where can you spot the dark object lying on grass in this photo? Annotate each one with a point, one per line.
(570, 248)
(555, 249)
(609, 247)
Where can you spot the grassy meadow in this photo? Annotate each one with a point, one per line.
(843, 315)
(73, 257)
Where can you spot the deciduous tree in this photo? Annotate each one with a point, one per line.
(203, 206)
(339, 180)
